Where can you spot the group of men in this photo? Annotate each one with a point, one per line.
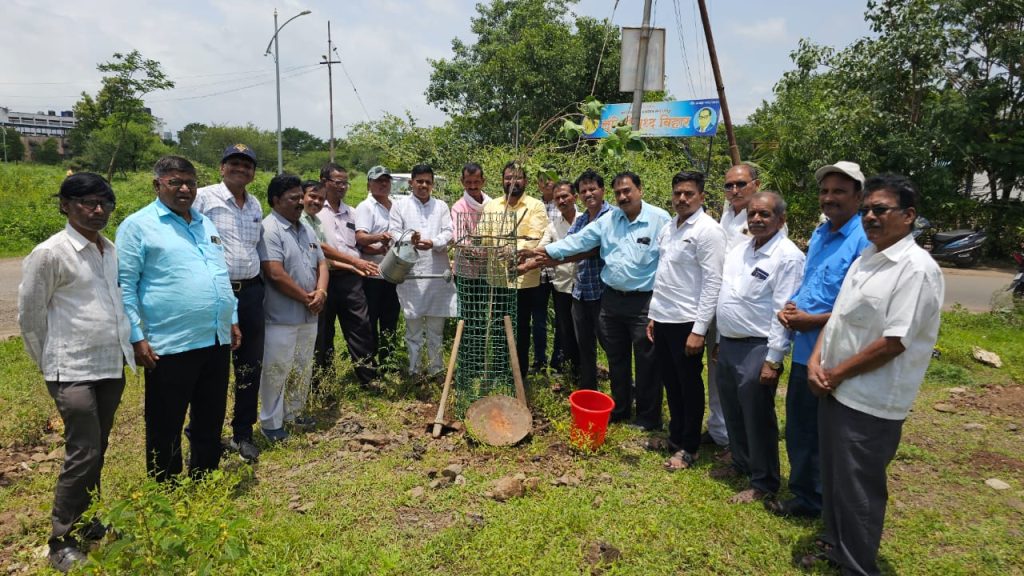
(199, 279)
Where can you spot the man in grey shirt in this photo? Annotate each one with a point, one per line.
(296, 274)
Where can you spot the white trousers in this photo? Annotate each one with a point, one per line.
(287, 371)
(415, 328)
(716, 422)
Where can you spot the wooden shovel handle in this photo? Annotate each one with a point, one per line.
(439, 419)
(513, 353)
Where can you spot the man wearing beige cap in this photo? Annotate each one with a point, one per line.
(834, 245)
(372, 217)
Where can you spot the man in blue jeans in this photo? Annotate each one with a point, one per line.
(834, 246)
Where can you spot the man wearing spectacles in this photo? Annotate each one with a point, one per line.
(238, 216)
(834, 246)
(346, 300)
(74, 328)
(866, 369)
(183, 317)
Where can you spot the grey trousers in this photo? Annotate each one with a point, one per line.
(749, 410)
(87, 409)
(856, 448)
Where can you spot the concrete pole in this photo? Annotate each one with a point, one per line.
(641, 65)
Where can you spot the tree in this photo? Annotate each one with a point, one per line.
(298, 141)
(532, 60)
(13, 148)
(119, 103)
(48, 152)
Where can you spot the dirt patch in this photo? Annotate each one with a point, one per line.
(993, 400)
(982, 462)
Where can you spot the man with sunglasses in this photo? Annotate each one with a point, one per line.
(834, 246)
(184, 322)
(866, 369)
(74, 328)
(238, 216)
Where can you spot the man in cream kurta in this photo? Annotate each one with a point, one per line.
(426, 302)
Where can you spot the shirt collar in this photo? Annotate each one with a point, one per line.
(81, 242)
(846, 229)
(769, 246)
(692, 219)
(284, 221)
(310, 217)
(893, 253)
(222, 192)
(641, 217)
(342, 209)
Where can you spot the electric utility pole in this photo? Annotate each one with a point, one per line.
(641, 65)
(734, 150)
(330, 82)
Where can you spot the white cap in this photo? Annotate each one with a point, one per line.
(850, 169)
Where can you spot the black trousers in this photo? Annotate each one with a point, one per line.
(749, 410)
(856, 449)
(194, 382)
(684, 388)
(623, 329)
(346, 302)
(566, 347)
(248, 359)
(585, 316)
(802, 440)
(539, 328)
(382, 309)
(87, 409)
(528, 300)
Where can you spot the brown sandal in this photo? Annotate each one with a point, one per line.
(681, 460)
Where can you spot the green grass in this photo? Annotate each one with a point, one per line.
(360, 519)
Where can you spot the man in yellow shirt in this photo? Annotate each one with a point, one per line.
(526, 218)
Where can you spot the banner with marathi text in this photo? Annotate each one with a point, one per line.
(677, 119)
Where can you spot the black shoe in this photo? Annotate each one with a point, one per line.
(94, 530)
(246, 450)
(789, 509)
(64, 559)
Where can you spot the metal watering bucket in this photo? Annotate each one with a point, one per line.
(399, 261)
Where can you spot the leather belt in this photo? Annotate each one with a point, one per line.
(238, 286)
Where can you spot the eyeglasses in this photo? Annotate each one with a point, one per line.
(878, 210)
(735, 185)
(176, 183)
(342, 183)
(90, 204)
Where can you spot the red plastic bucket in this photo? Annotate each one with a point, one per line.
(590, 412)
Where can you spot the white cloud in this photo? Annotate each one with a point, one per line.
(769, 30)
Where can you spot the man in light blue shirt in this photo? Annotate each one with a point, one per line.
(183, 317)
(627, 239)
(834, 246)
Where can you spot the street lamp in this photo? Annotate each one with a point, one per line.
(277, 72)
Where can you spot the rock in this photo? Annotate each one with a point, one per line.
(432, 472)
(601, 552)
(452, 470)
(521, 476)
(354, 446)
(596, 502)
(304, 508)
(605, 477)
(1016, 504)
(369, 448)
(996, 484)
(372, 439)
(505, 488)
(946, 408)
(416, 492)
(1012, 427)
(531, 483)
(957, 390)
(475, 518)
(987, 358)
(974, 426)
(56, 454)
(440, 482)
(459, 480)
(456, 426)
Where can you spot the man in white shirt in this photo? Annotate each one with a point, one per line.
(741, 182)
(238, 216)
(426, 302)
(75, 329)
(757, 279)
(691, 248)
(867, 368)
(372, 217)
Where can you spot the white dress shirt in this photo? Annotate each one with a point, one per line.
(894, 293)
(756, 283)
(70, 311)
(689, 271)
(372, 217)
(565, 274)
(425, 296)
(340, 228)
(241, 229)
(735, 226)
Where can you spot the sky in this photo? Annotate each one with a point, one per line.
(214, 51)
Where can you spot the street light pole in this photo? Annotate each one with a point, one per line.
(277, 74)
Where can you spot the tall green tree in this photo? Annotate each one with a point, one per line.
(48, 152)
(531, 60)
(13, 150)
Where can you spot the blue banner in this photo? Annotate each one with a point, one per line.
(682, 118)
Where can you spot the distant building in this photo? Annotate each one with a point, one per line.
(39, 123)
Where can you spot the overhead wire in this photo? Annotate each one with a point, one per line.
(351, 83)
(238, 89)
(682, 48)
(604, 45)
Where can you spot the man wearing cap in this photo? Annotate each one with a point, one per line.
(184, 323)
(346, 300)
(75, 330)
(372, 216)
(834, 246)
(237, 214)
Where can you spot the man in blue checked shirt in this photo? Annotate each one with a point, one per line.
(627, 238)
(183, 317)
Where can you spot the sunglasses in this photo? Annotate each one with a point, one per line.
(735, 185)
(878, 210)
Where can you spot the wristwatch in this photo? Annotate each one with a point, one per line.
(777, 366)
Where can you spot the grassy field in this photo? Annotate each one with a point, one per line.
(354, 496)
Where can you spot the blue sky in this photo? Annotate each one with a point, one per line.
(213, 50)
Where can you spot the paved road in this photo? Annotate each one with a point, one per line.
(974, 289)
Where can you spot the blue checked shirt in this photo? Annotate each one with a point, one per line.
(588, 286)
(829, 256)
(629, 249)
(174, 282)
(241, 229)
